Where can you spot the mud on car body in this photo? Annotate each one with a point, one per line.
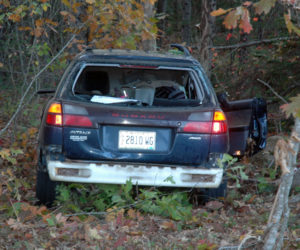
(130, 115)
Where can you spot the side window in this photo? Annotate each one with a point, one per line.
(93, 82)
(190, 88)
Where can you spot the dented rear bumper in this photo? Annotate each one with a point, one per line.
(141, 174)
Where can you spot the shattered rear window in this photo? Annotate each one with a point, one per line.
(140, 86)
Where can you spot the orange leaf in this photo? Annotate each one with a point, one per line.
(219, 12)
(231, 19)
(131, 213)
(39, 22)
(24, 28)
(168, 225)
(28, 236)
(139, 233)
(245, 22)
(15, 18)
(247, 3)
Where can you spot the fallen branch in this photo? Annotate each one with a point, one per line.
(252, 43)
(278, 219)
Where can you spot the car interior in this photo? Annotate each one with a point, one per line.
(151, 87)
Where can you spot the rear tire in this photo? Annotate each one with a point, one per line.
(45, 188)
(216, 193)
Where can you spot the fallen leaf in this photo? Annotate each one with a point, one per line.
(214, 205)
(168, 225)
(134, 233)
(94, 234)
(131, 213)
(28, 236)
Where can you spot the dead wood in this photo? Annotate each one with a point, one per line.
(279, 215)
(253, 43)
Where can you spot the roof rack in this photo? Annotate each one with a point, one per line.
(181, 48)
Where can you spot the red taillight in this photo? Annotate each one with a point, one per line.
(77, 120)
(54, 116)
(219, 125)
(57, 118)
(53, 119)
(197, 127)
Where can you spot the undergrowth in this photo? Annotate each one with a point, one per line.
(75, 198)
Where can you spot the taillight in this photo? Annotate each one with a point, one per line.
(219, 125)
(77, 120)
(54, 116)
(197, 127)
(57, 118)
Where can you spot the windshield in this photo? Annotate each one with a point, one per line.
(137, 86)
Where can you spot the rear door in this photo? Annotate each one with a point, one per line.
(247, 122)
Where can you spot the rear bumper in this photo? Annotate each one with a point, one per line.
(141, 174)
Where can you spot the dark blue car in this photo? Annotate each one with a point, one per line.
(146, 117)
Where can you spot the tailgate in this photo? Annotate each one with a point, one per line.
(131, 134)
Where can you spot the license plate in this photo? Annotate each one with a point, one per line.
(137, 140)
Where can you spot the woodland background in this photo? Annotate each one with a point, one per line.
(248, 49)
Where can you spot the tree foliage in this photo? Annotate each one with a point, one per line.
(240, 17)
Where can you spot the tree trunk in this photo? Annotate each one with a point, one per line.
(279, 216)
(149, 10)
(206, 33)
(161, 9)
(186, 21)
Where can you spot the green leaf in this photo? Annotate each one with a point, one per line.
(117, 199)
(264, 6)
(51, 221)
(170, 179)
(292, 108)
(243, 175)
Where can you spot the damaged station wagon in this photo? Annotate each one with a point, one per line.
(147, 117)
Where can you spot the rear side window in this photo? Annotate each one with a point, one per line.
(137, 86)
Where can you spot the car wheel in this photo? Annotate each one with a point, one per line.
(45, 188)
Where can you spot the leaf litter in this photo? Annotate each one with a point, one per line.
(218, 223)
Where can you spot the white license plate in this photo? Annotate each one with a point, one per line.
(137, 140)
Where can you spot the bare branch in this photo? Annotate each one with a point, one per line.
(275, 93)
(253, 43)
(31, 83)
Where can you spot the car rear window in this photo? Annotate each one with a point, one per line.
(137, 85)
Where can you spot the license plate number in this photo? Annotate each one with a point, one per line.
(137, 140)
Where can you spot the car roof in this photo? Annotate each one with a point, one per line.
(135, 56)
